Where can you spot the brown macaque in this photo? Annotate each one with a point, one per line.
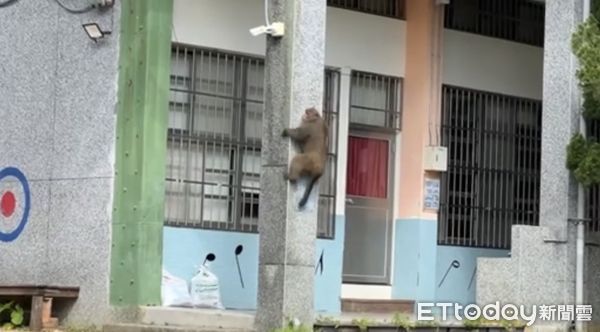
(311, 137)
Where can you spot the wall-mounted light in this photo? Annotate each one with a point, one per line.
(94, 31)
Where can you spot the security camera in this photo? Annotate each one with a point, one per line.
(258, 30)
(276, 29)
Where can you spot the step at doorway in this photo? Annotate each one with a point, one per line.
(378, 306)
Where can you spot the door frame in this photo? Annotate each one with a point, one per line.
(391, 137)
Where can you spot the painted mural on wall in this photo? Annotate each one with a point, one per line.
(457, 272)
(319, 265)
(455, 265)
(238, 251)
(233, 258)
(15, 203)
(240, 248)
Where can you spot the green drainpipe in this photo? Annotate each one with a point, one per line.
(139, 193)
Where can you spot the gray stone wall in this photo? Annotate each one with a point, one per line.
(541, 269)
(58, 93)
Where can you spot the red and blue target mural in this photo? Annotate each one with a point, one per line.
(15, 202)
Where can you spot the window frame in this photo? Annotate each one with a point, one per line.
(507, 22)
(354, 5)
(393, 111)
(237, 142)
(487, 228)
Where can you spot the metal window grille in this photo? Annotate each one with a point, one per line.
(592, 194)
(328, 183)
(493, 176)
(388, 8)
(375, 101)
(214, 141)
(516, 20)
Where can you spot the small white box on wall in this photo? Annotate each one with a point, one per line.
(436, 158)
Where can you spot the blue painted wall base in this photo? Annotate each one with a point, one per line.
(423, 270)
(427, 272)
(414, 259)
(459, 284)
(185, 249)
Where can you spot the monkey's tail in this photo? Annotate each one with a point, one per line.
(308, 190)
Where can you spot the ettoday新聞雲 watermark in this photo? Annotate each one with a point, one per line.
(496, 312)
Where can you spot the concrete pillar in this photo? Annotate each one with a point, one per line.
(293, 82)
(560, 116)
(420, 115)
(421, 102)
(546, 252)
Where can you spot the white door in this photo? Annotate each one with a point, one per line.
(367, 244)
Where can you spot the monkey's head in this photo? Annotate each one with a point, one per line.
(311, 114)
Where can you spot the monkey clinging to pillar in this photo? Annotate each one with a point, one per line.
(311, 136)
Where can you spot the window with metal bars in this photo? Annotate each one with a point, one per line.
(493, 176)
(592, 194)
(388, 8)
(214, 142)
(515, 20)
(375, 101)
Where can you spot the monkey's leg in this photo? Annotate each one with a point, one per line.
(298, 166)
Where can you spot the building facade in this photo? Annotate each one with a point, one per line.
(159, 128)
(393, 87)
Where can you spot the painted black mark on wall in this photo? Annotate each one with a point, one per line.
(210, 257)
(455, 264)
(238, 251)
(320, 263)
(472, 278)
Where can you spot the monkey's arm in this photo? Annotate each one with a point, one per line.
(297, 134)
